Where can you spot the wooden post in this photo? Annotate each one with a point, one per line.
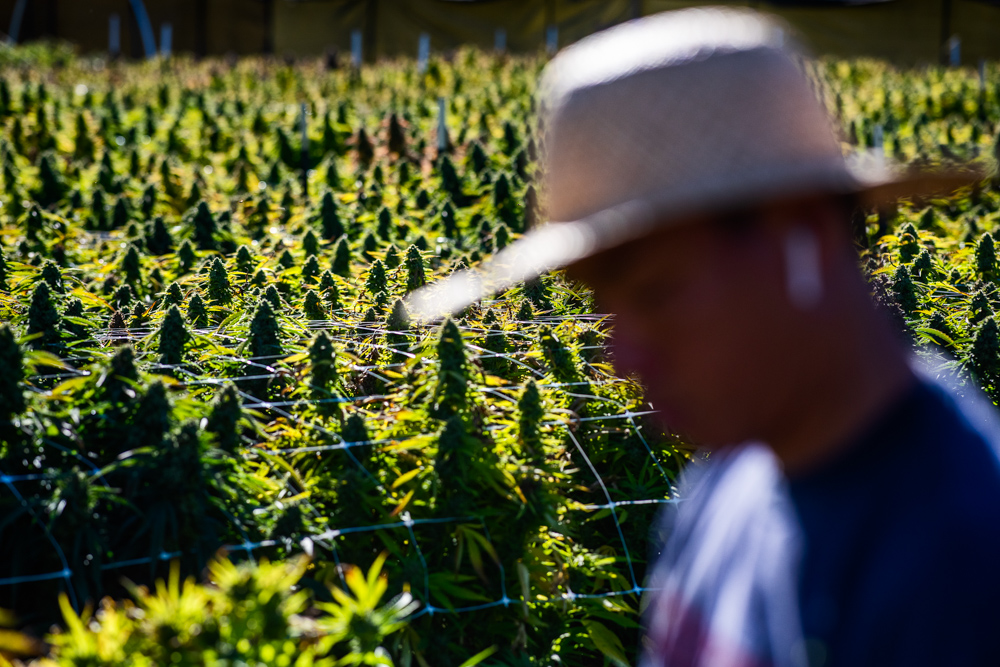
(500, 40)
(945, 31)
(357, 48)
(16, 18)
(304, 154)
(550, 20)
(268, 45)
(423, 52)
(114, 35)
(166, 39)
(52, 18)
(201, 28)
(371, 31)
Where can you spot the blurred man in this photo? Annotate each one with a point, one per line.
(849, 513)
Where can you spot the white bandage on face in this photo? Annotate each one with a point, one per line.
(803, 268)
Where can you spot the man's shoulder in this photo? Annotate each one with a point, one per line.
(731, 484)
(957, 435)
(898, 537)
(736, 496)
(962, 441)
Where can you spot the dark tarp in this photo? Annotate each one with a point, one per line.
(903, 31)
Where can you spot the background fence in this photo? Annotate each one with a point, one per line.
(904, 31)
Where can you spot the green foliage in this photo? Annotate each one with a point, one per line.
(43, 318)
(397, 136)
(501, 237)
(121, 213)
(244, 259)
(451, 392)
(369, 245)
(159, 240)
(450, 181)
(264, 338)
(363, 147)
(904, 290)
(224, 418)
(272, 297)
(310, 244)
(397, 331)
(120, 376)
(312, 306)
(52, 188)
(329, 218)
(384, 226)
(328, 288)
(131, 267)
(392, 260)
(219, 289)
(986, 353)
(560, 358)
(415, 276)
(323, 376)
(123, 296)
(923, 267)
(376, 281)
(185, 257)
(11, 376)
(197, 312)
(986, 257)
(248, 615)
(150, 425)
(203, 227)
(524, 312)
(3, 271)
(51, 274)
(310, 269)
(530, 415)
(173, 337)
(342, 259)
(909, 245)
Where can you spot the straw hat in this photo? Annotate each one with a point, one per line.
(665, 116)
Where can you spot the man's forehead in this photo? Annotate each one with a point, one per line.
(672, 248)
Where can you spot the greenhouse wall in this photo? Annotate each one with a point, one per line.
(904, 31)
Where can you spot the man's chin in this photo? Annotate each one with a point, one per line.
(709, 433)
(671, 419)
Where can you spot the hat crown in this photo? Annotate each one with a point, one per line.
(667, 116)
(682, 111)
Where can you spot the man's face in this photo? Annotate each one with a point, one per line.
(700, 316)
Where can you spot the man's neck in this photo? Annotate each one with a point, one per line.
(863, 371)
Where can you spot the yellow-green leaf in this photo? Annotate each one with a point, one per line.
(406, 477)
(479, 657)
(403, 503)
(606, 642)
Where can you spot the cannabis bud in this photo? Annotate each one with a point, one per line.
(415, 277)
(342, 259)
(451, 393)
(529, 419)
(173, 336)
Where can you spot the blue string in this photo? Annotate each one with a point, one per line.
(614, 514)
(66, 573)
(427, 608)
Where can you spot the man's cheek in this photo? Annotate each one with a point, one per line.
(635, 352)
(628, 359)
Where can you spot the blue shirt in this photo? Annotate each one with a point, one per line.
(888, 555)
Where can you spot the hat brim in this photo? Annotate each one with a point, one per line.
(556, 245)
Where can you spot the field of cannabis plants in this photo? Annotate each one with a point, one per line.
(204, 347)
